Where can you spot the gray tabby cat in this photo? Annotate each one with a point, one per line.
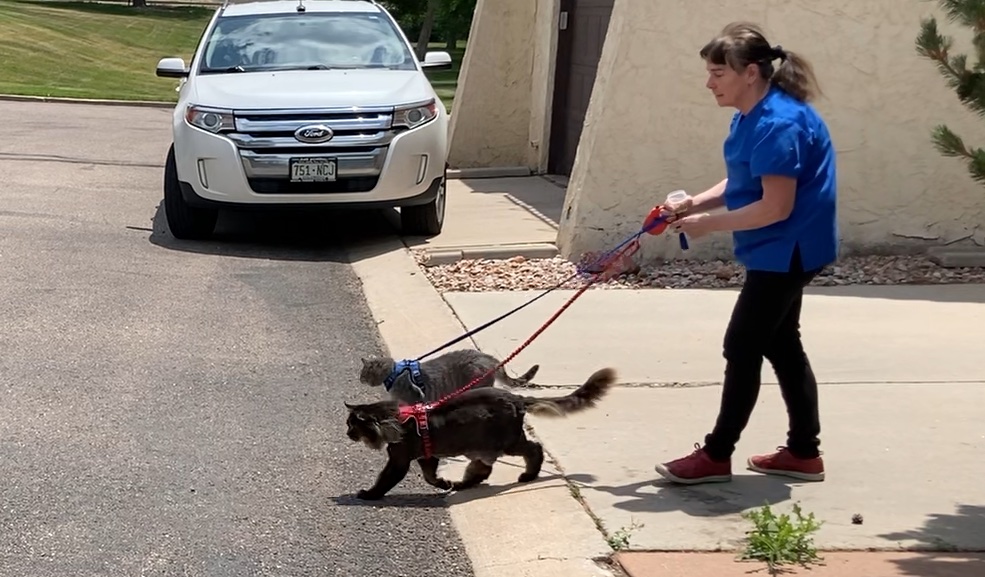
(438, 376)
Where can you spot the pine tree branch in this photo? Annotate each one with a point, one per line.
(951, 145)
(968, 83)
(934, 46)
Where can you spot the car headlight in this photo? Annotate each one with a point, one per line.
(415, 115)
(211, 119)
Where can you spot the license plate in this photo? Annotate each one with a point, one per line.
(312, 169)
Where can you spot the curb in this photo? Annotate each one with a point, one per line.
(539, 530)
(490, 172)
(449, 255)
(94, 101)
(956, 257)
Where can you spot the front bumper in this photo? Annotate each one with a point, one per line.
(403, 170)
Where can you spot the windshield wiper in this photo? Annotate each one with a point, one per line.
(299, 67)
(223, 70)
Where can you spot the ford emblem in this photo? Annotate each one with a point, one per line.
(313, 134)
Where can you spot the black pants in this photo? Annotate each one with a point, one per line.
(766, 323)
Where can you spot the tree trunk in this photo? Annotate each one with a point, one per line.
(138, 3)
(426, 26)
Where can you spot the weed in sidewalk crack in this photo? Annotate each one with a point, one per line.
(619, 539)
(781, 539)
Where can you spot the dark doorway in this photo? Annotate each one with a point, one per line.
(583, 25)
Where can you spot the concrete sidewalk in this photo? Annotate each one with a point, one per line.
(901, 403)
(496, 218)
(901, 406)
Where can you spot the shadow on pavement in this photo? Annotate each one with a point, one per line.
(442, 499)
(434, 500)
(940, 293)
(486, 491)
(744, 492)
(315, 236)
(938, 541)
(546, 200)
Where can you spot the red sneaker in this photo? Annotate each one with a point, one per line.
(782, 462)
(696, 468)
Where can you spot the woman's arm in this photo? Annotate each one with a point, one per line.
(710, 199)
(776, 205)
(707, 200)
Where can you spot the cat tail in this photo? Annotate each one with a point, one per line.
(521, 381)
(582, 398)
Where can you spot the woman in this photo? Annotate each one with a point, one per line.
(781, 209)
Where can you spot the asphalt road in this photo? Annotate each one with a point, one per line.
(175, 408)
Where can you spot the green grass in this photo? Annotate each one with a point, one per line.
(93, 50)
(445, 82)
(110, 51)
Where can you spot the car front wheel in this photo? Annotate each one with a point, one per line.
(426, 219)
(185, 221)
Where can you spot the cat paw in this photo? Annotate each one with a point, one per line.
(367, 495)
(527, 477)
(444, 484)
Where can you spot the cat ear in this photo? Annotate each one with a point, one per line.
(348, 406)
(364, 361)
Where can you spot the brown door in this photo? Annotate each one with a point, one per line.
(583, 26)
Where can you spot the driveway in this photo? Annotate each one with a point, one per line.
(175, 408)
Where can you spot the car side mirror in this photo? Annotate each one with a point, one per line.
(438, 60)
(172, 68)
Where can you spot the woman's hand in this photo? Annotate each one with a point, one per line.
(694, 225)
(676, 211)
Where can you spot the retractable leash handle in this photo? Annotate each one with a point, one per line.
(656, 225)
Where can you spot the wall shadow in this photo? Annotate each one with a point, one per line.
(948, 545)
(540, 196)
(936, 293)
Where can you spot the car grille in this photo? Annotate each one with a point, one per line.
(258, 130)
(285, 186)
(359, 143)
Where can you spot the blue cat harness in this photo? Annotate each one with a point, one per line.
(399, 367)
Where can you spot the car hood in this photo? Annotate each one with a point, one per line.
(310, 89)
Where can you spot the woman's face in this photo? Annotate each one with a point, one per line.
(728, 86)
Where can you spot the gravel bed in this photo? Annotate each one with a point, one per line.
(519, 273)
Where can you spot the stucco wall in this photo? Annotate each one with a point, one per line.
(652, 126)
(501, 112)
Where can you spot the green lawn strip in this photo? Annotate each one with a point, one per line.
(109, 51)
(93, 50)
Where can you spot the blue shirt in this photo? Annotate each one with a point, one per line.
(783, 136)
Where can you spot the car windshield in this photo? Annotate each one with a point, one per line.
(305, 41)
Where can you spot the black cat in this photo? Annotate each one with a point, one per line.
(481, 424)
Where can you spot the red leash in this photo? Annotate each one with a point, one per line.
(419, 411)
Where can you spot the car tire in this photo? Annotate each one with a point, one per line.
(426, 219)
(185, 221)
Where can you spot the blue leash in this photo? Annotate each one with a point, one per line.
(578, 272)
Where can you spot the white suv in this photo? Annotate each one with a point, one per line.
(303, 103)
